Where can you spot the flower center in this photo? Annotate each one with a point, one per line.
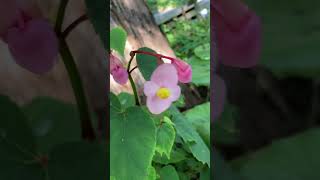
(163, 93)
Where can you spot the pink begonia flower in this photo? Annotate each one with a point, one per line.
(162, 89)
(119, 73)
(184, 70)
(238, 33)
(31, 40)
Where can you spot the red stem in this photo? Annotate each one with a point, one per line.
(153, 54)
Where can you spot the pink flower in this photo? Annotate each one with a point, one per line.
(31, 40)
(162, 89)
(184, 70)
(119, 73)
(238, 33)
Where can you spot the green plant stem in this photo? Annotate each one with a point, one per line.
(76, 83)
(60, 16)
(133, 85)
(87, 129)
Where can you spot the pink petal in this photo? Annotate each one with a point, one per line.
(35, 47)
(150, 88)
(157, 105)
(238, 42)
(218, 96)
(184, 70)
(120, 75)
(175, 92)
(165, 75)
(9, 13)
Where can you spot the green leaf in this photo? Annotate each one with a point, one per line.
(152, 174)
(294, 158)
(165, 137)
(146, 63)
(126, 100)
(203, 52)
(169, 172)
(200, 71)
(132, 143)
(225, 130)
(177, 155)
(99, 18)
(53, 122)
(199, 116)
(78, 160)
(290, 36)
(17, 145)
(205, 174)
(118, 38)
(185, 129)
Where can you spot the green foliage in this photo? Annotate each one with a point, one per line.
(169, 172)
(52, 122)
(199, 117)
(191, 137)
(290, 36)
(165, 137)
(24, 153)
(132, 142)
(156, 5)
(190, 39)
(295, 158)
(97, 14)
(118, 38)
(146, 63)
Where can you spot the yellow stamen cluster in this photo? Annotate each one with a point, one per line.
(163, 93)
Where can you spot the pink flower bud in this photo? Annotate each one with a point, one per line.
(31, 39)
(184, 70)
(119, 73)
(238, 33)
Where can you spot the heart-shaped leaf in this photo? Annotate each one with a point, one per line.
(146, 63)
(132, 142)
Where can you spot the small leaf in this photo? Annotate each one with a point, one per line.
(169, 172)
(200, 71)
(99, 18)
(146, 63)
(118, 38)
(165, 137)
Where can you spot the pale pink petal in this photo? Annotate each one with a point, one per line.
(120, 75)
(157, 105)
(165, 75)
(150, 88)
(9, 13)
(218, 96)
(35, 47)
(175, 92)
